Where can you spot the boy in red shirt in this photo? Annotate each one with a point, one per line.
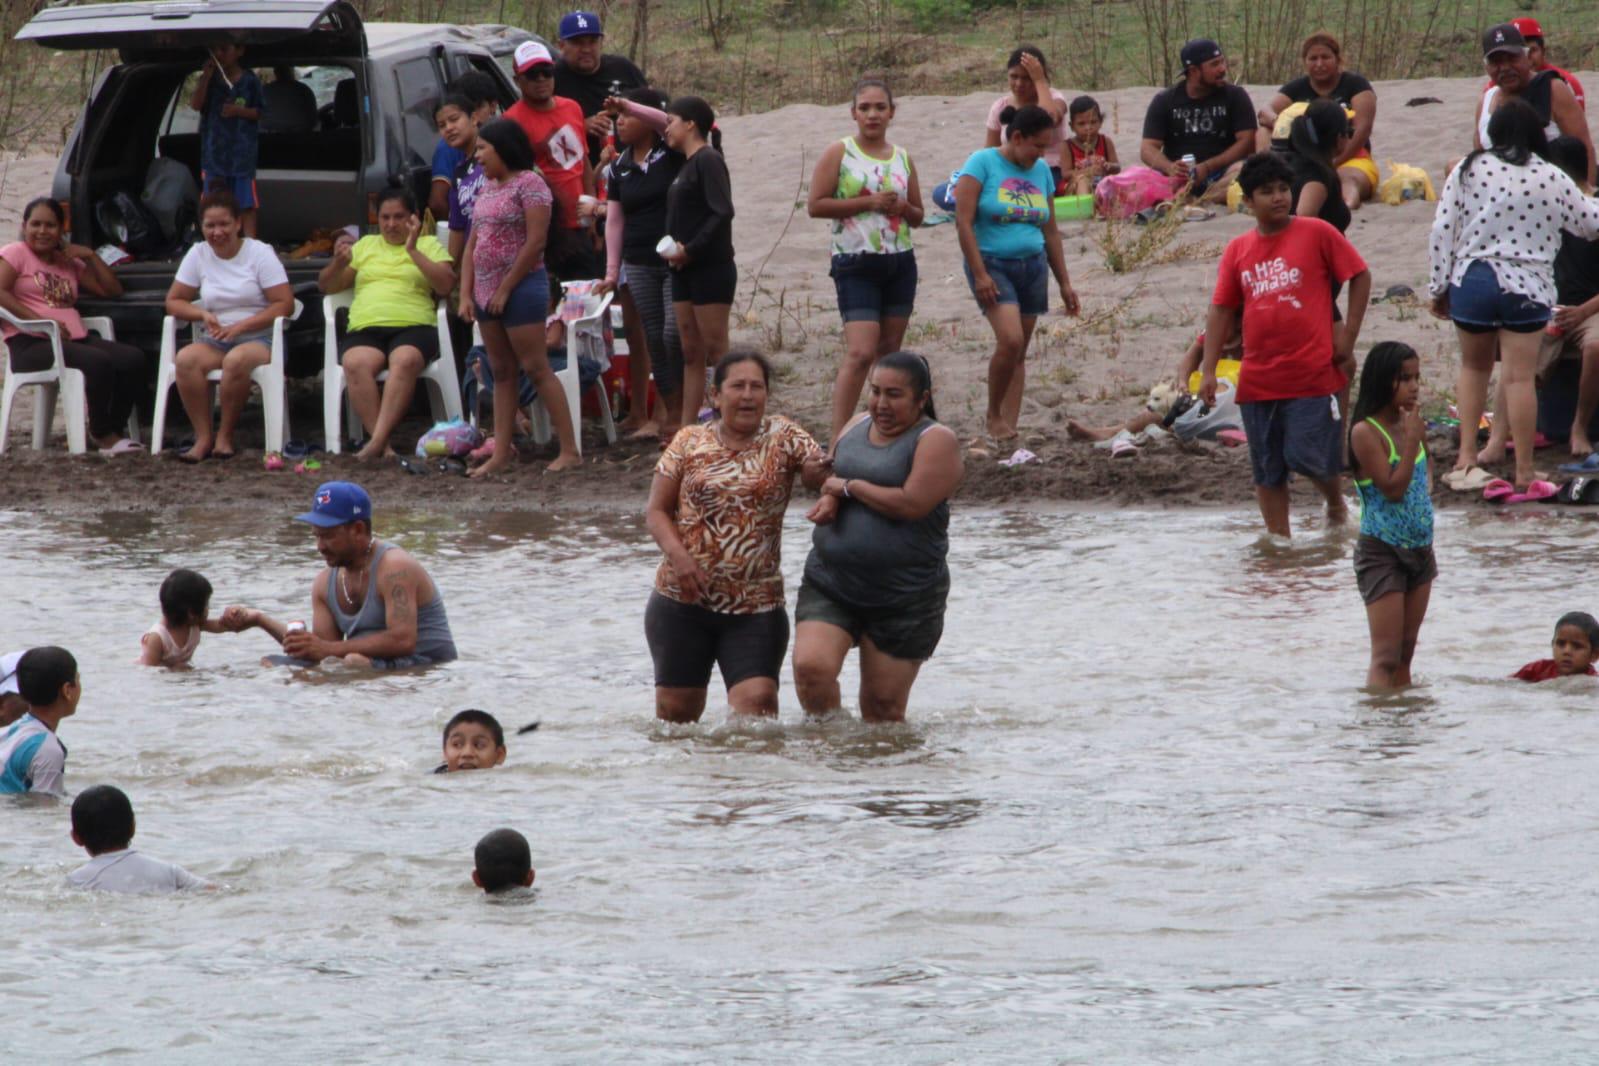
(555, 126)
(1282, 275)
(1574, 646)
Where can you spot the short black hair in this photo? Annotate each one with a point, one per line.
(1027, 121)
(1568, 154)
(42, 671)
(102, 817)
(510, 143)
(1263, 168)
(503, 860)
(479, 87)
(1583, 621)
(407, 200)
(482, 718)
(184, 597)
(1082, 105)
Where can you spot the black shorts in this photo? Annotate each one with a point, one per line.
(686, 640)
(905, 631)
(386, 339)
(701, 284)
(1382, 569)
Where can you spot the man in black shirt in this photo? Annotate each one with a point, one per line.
(1202, 116)
(585, 75)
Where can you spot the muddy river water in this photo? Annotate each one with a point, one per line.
(1142, 812)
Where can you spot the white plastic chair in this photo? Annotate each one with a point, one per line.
(58, 378)
(269, 377)
(440, 377)
(585, 336)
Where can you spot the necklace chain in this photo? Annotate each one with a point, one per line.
(344, 577)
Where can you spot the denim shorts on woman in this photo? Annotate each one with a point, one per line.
(529, 303)
(873, 286)
(1023, 282)
(1303, 435)
(1479, 305)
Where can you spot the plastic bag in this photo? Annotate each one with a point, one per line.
(1203, 423)
(125, 221)
(454, 437)
(1405, 182)
(1133, 190)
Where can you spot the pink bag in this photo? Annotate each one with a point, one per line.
(1133, 190)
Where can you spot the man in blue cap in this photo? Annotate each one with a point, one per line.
(1201, 116)
(585, 75)
(374, 605)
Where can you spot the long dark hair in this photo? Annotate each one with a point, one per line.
(694, 109)
(510, 143)
(1378, 377)
(1515, 134)
(916, 368)
(1033, 50)
(649, 97)
(44, 201)
(1314, 136)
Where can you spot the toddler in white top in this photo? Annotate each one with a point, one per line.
(102, 824)
(185, 614)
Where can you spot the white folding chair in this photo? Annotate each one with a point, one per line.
(440, 377)
(585, 336)
(269, 377)
(58, 378)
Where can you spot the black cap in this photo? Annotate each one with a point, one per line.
(1198, 51)
(1503, 38)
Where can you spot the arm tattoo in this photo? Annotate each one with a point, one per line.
(400, 611)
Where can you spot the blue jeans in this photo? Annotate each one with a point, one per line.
(1480, 305)
(1023, 282)
(872, 286)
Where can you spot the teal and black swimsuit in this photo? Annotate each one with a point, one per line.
(1406, 523)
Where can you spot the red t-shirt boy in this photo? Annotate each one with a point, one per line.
(1295, 365)
(555, 126)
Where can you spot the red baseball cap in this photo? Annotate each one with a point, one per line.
(1528, 26)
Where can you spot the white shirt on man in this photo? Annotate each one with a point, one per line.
(232, 289)
(130, 872)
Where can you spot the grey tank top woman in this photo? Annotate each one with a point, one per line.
(878, 572)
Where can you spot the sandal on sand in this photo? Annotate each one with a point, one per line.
(1501, 491)
(1123, 449)
(124, 446)
(273, 462)
(1588, 465)
(1472, 479)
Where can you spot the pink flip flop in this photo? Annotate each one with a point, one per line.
(1232, 438)
(1498, 490)
(1536, 490)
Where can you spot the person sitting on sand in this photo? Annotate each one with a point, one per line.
(1576, 310)
(102, 825)
(1201, 116)
(1187, 366)
(1282, 275)
(185, 614)
(1537, 53)
(373, 606)
(1326, 79)
(1504, 53)
(473, 740)
(1090, 155)
(1575, 644)
(398, 273)
(1027, 73)
(502, 861)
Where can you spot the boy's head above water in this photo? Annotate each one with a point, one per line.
(102, 820)
(185, 598)
(47, 678)
(1576, 642)
(503, 861)
(473, 740)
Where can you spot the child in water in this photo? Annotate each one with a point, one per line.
(473, 740)
(1394, 563)
(502, 861)
(1576, 639)
(1089, 154)
(185, 614)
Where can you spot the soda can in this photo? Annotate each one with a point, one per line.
(294, 627)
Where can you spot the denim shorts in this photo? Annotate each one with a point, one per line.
(873, 286)
(1302, 435)
(1023, 282)
(225, 347)
(529, 303)
(1479, 305)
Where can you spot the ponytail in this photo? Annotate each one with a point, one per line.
(915, 367)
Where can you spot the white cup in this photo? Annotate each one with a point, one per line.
(667, 247)
(583, 201)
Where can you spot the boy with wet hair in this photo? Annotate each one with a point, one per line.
(1575, 645)
(32, 757)
(1296, 358)
(503, 861)
(102, 825)
(473, 740)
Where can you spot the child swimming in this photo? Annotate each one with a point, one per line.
(1574, 646)
(1394, 563)
(503, 861)
(102, 825)
(473, 740)
(185, 614)
(32, 757)
(1090, 155)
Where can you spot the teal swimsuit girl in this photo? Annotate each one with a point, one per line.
(1406, 523)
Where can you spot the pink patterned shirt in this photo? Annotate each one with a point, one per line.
(499, 222)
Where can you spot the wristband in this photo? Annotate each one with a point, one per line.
(847, 495)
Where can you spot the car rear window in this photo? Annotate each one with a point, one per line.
(420, 90)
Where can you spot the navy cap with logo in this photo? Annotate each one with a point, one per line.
(1200, 51)
(580, 24)
(338, 503)
(1503, 38)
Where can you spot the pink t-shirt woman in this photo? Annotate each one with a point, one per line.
(499, 222)
(1052, 153)
(47, 290)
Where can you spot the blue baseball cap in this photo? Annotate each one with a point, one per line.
(338, 503)
(581, 24)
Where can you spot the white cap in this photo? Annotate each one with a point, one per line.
(8, 673)
(531, 54)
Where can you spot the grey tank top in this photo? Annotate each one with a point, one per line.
(433, 640)
(866, 558)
